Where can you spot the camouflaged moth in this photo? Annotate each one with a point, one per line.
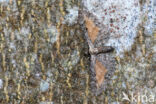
(102, 63)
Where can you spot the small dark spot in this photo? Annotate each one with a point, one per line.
(113, 11)
(111, 24)
(111, 20)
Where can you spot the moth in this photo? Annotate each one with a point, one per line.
(109, 24)
(102, 61)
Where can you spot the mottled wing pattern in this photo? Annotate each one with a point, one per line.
(102, 69)
(103, 62)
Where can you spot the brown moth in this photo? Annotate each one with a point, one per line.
(102, 63)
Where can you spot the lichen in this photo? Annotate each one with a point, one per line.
(45, 60)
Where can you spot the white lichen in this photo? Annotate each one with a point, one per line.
(44, 86)
(121, 19)
(149, 10)
(53, 34)
(1, 83)
(46, 102)
(4, 1)
(72, 16)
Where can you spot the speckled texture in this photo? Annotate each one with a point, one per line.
(120, 19)
(36, 45)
